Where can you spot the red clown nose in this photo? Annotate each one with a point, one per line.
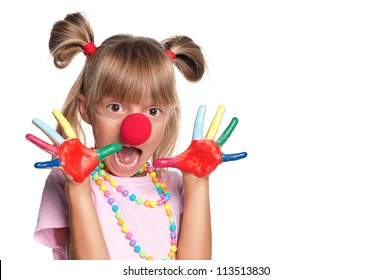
(136, 129)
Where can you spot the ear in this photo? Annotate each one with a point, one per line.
(83, 110)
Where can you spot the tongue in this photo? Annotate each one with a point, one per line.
(127, 154)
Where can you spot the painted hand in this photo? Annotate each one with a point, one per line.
(204, 154)
(75, 159)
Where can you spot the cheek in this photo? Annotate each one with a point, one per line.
(156, 136)
(104, 133)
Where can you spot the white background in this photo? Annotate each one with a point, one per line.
(310, 82)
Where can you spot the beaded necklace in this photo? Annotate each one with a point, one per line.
(164, 194)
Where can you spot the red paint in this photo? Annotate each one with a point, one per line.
(201, 157)
(77, 160)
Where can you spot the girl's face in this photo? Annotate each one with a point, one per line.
(106, 117)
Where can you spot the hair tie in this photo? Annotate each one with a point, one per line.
(89, 48)
(171, 54)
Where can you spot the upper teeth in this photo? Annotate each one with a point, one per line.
(123, 165)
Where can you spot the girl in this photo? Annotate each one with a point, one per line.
(126, 92)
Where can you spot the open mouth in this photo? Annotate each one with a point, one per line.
(127, 157)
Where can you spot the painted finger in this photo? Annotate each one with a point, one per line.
(215, 122)
(108, 150)
(42, 144)
(226, 134)
(64, 124)
(50, 132)
(48, 164)
(199, 122)
(166, 162)
(231, 157)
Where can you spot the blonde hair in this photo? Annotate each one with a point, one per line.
(125, 67)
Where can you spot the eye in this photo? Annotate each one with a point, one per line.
(153, 111)
(114, 107)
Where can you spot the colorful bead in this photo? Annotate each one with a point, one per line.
(163, 192)
(139, 201)
(124, 229)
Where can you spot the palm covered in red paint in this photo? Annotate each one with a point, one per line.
(72, 156)
(203, 155)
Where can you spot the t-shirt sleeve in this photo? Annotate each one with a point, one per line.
(53, 213)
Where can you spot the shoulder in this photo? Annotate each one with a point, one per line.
(56, 178)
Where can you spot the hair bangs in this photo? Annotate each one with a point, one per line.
(135, 74)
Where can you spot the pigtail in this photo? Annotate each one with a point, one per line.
(68, 38)
(186, 56)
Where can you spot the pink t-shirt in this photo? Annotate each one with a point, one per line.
(149, 226)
